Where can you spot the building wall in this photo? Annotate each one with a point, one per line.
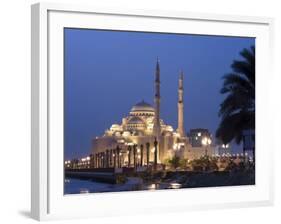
(165, 146)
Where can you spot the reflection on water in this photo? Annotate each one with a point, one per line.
(152, 186)
(175, 185)
(75, 186)
(155, 186)
(84, 191)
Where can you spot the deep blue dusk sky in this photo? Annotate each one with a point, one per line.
(107, 72)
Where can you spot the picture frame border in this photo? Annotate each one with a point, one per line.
(40, 86)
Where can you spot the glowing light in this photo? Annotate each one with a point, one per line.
(204, 141)
(84, 191)
(88, 158)
(153, 150)
(225, 146)
(121, 141)
(175, 185)
(151, 187)
(126, 133)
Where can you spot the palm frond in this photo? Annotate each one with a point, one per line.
(237, 111)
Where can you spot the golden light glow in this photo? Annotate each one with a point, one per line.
(206, 141)
(175, 185)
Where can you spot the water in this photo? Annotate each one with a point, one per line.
(76, 186)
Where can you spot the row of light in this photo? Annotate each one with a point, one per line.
(138, 151)
(86, 159)
(233, 155)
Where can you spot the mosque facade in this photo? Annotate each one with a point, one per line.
(143, 137)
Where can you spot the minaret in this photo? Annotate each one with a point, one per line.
(180, 106)
(156, 126)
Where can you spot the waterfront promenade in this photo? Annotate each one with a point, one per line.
(163, 179)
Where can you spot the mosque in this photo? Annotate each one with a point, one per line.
(144, 138)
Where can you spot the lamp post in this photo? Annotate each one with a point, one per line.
(121, 159)
(155, 153)
(114, 158)
(134, 152)
(107, 158)
(147, 153)
(102, 159)
(111, 164)
(225, 147)
(141, 148)
(118, 156)
(98, 160)
(206, 142)
(129, 155)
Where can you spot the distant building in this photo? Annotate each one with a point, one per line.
(196, 136)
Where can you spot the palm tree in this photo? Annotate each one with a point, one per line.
(237, 111)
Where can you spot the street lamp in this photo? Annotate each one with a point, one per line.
(206, 142)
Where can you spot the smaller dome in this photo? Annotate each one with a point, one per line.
(136, 120)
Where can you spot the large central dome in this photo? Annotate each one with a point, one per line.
(142, 107)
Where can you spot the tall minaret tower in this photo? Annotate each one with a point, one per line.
(180, 106)
(156, 126)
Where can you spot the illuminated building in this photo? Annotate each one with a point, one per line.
(133, 140)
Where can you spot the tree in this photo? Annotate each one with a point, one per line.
(174, 162)
(205, 163)
(237, 111)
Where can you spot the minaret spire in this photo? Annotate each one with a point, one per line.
(180, 106)
(156, 126)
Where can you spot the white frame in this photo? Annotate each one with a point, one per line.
(44, 160)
